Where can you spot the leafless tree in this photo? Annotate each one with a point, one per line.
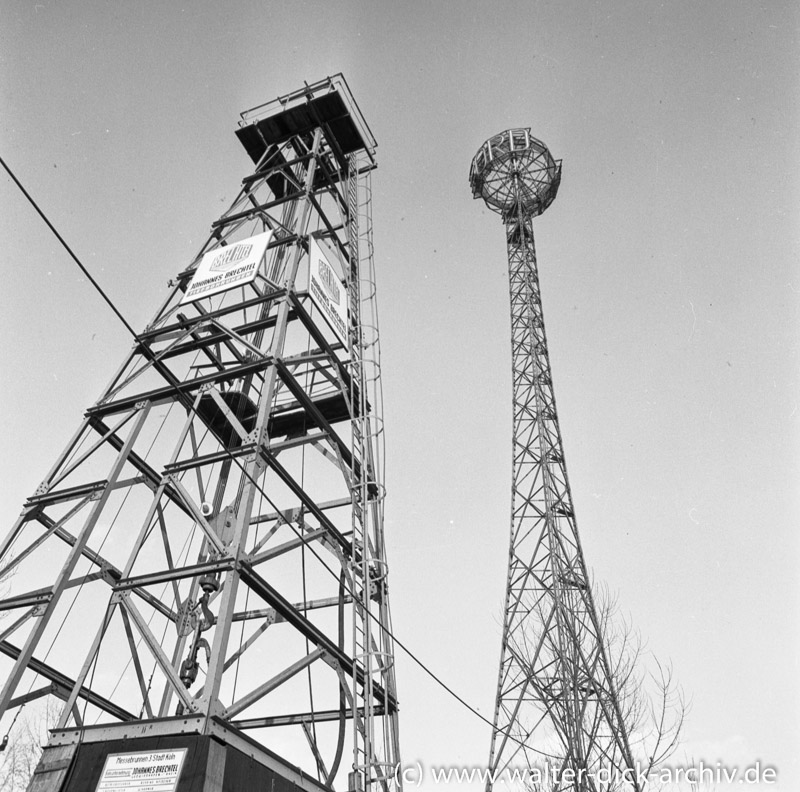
(21, 743)
(651, 707)
(23, 748)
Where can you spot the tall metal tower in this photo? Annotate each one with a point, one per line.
(201, 577)
(557, 700)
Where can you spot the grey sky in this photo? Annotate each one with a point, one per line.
(669, 276)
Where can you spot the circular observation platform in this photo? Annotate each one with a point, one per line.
(514, 172)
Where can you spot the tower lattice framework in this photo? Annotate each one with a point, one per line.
(204, 565)
(557, 701)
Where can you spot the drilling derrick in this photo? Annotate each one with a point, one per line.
(201, 577)
(557, 703)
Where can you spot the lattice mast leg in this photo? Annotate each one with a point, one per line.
(205, 561)
(557, 701)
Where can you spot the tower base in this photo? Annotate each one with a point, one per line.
(172, 755)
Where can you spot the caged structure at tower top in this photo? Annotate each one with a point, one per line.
(515, 174)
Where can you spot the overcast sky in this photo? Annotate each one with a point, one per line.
(669, 276)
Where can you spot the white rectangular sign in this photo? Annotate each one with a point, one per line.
(327, 291)
(225, 267)
(145, 771)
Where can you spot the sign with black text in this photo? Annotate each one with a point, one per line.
(225, 267)
(327, 291)
(144, 771)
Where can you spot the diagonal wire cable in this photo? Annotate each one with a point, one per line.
(68, 248)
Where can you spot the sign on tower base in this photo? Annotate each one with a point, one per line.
(172, 755)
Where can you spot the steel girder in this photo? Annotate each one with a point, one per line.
(210, 542)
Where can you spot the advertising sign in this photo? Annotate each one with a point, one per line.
(327, 292)
(145, 771)
(225, 267)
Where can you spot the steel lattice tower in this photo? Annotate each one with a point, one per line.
(557, 701)
(203, 569)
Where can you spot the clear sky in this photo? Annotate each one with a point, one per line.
(669, 276)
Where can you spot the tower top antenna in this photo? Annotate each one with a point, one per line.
(514, 172)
